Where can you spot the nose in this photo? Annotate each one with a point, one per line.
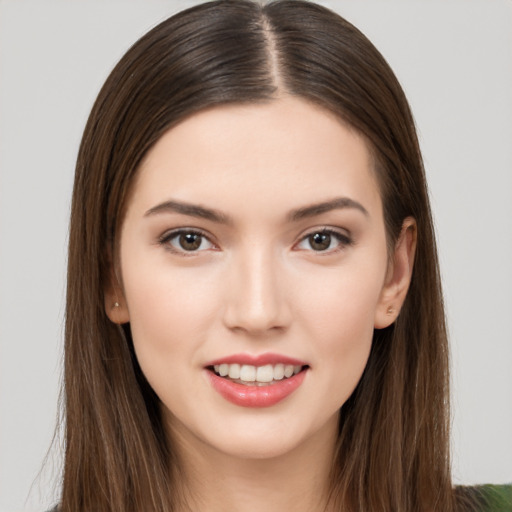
(256, 296)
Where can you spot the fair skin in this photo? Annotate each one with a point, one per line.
(261, 276)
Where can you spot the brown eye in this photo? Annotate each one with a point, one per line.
(320, 241)
(186, 241)
(190, 241)
(325, 240)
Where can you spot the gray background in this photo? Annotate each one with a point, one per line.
(454, 59)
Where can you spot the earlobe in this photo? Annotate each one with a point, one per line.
(115, 303)
(398, 277)
(117, 311)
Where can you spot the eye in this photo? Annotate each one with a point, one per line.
(324, 240)
(186, 241)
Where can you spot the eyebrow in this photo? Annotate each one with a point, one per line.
(217, 216)
(319, 208)
(192, 210)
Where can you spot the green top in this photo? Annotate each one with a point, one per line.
(477, 498)
(486, 498)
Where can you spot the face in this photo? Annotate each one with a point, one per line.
(254, 247)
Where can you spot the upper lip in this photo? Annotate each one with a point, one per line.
(257, 360)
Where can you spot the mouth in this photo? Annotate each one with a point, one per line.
(256, 381)
(251, 375)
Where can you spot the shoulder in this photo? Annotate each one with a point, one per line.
(475, 498)
(484, 498)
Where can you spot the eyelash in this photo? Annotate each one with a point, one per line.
(344, 240)
(166, 238)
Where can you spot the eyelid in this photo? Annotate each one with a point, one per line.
(167, 236)
(344, 239)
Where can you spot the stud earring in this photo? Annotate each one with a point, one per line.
(390, 310)
(116, 304)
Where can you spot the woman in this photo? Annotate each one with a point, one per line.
(254, 312)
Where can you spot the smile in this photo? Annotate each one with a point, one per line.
(256, 381)
(256, 375)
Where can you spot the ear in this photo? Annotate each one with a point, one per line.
(115, 302)
(398, 276)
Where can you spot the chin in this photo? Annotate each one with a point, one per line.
(272, 436)
(257, 448)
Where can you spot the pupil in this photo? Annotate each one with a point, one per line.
(320, 241)
(190, 241)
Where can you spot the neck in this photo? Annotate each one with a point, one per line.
(213, 481)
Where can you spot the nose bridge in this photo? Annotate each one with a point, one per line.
(257, 298)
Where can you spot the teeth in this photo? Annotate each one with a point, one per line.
(278, 371)
(234, 371)
(250, 373)
(265, 373)
(247, 373)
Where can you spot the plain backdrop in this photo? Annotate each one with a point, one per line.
(454, 59)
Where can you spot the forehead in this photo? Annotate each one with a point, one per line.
(258, 158)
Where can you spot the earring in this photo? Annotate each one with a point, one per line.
(390, 310)
(116, 304)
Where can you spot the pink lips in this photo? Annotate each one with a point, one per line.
(253, 395)
(259, 360)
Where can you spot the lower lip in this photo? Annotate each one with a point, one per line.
(255, 396)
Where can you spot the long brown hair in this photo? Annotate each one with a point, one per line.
(392, 453)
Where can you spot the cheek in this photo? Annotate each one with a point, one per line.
(339, 314)
(170, 316)
(342, 301)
